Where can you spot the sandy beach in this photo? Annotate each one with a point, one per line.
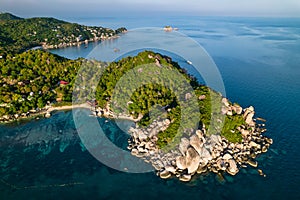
(84, 105)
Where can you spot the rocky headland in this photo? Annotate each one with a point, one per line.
(234, 139)
(199, 152)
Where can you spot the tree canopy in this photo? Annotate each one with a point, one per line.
(33, 79)
(18, 34)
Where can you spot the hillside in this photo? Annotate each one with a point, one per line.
(8, 16)
(179, 102)
(29, 80)
(18, 35)
(33, 79)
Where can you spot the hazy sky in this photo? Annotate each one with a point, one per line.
(27, 8)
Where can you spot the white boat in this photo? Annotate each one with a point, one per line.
(189, 62)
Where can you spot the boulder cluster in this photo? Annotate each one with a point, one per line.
(199, 152)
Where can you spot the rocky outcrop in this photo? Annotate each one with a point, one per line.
(142, 136)
(183, 146)
(48, 115)
(227, 157)
(205, 155)
(192, 160)
(181, 162)
(237, 109)
(185, 178)
(232, 168)
(201, 153)
(171, 169)
(165, 174)
(215, 139)
(248, 115)
(196, 143)
(228, 109)
(225, 102)
(221, 164)
(252, 163)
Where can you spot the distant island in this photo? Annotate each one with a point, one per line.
(19, 34)
(226, 138)
(170, 28)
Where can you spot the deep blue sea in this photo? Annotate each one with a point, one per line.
(259, 61)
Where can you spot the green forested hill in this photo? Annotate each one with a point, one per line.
(31, 79)
(18, 34)
(153, 66)
(8, 16)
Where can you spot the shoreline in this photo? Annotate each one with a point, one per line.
(72, 44)
(44, 46)
(197, 152)
(67, 107)
(48, 110)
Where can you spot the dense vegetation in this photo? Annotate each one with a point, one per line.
(32, 79)
(8, 16)
(18, 34)
(229, 129)
(142, 99)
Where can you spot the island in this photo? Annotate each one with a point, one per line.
(170, 28)
(19, 34)
(226, 137)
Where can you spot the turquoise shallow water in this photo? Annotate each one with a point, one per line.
(258, 59)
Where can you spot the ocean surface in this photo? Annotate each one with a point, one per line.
(259, 61)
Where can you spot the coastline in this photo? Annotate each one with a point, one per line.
(44, 112)
(72, 44)
(200, 152)
(197, 152)
(247, 83)
(59, 108)
(47, 111)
